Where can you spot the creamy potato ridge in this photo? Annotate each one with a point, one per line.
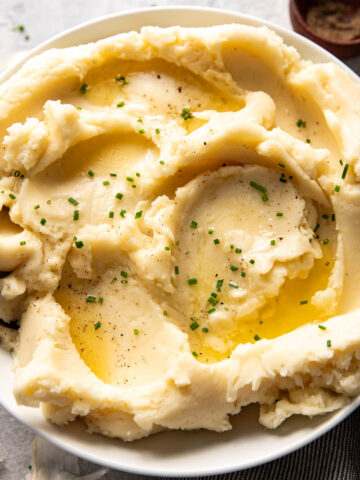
(179, 223)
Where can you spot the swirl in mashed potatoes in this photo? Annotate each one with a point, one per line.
(179, 230)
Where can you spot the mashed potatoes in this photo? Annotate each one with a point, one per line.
(180, 223)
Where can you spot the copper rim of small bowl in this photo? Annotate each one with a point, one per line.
(342, 49)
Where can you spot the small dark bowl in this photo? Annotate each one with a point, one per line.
(341, 49)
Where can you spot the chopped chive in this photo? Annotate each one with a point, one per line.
(210, 231)
(137, 174)
(333, 217)
(122, 213)
(283, 180)
(187, 252)
(193, 224)
(121, 79)
(79, 243)
(141, 131)
(91, 173)
(256, 337)
(162, 162)
(194, 325)
(22, 243)
(130, 179)
(205, 329)
(258, 187)
(231, 246)
(325, 241)
(106, 183)
(97, 325)
(328, 343)
(123, 273)
(219, 283)
(238, 250)
(139, 120)
(213, 294)
(195, 354)
(346, 168)
(111, 214)
(272, 243)
(100, 300)
(124, 281)
(279, 214)
(325, 217)
(264, 197)
(301, 123)
(308, 140)
(233, 285)
(138, 214)
(43, 221)
(157, 131)
(327, 264)
(243, 274)
(119, 196)
(73, 201)
(165, 313)
(17, 173)
(341, 162)
(316, 227)
(176, 268)
(186, 115)
(83, 88)
(234, 268)
(337, 188)
(113, 174)
(36, 207)
(281, 165)
(212, 300)
(192, 281)
(12, 196)
(322, 327)
(114, 279)
(49, 202)
(216, 241)
(90, 299)
(136, 331)
(211, 310)
(76, 215)
(167, 248)
(252, 261)
(303, 302)
(120, 104)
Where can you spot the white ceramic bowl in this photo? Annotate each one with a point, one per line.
(176, 453)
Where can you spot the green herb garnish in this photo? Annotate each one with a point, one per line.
(186, 115)
(73, 201)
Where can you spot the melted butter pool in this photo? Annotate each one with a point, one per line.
(278, 317)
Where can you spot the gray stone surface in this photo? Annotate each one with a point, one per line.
(43, 19)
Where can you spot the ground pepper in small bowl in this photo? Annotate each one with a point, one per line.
(332, 24)
(335, 20)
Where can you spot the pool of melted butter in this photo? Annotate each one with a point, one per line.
(279, 316)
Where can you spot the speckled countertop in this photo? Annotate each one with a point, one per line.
(43, 19)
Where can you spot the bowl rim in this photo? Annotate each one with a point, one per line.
(300, 18)
(338, 416)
